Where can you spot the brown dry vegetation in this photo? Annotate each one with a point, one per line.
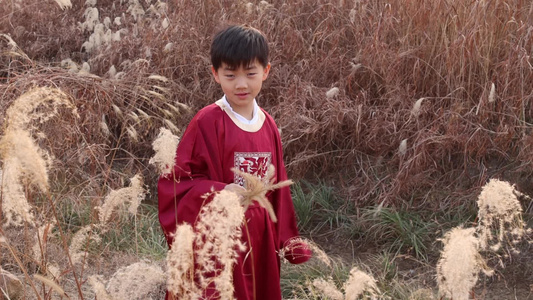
(382, 56)
(470, 62)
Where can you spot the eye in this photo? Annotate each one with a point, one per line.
(229, 76)
(252, 74)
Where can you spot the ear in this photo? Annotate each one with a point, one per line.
(215, 74)
(266, 71)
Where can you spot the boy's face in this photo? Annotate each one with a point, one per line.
(241, 85)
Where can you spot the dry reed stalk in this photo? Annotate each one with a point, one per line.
(500, 210)
(460, 263)
(256, 189)
(165, 151)
(49, 282)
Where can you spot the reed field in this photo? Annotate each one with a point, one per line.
(407, 129)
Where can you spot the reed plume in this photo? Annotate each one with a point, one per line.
(210, 250)
(460, 263)
(358, 283)
(99, 288)
(136, 281)
(327, 288)
(165, 151)
(180, 264)
(24, 162)
(256, 189)
(218, 241)
(79, 241)
(133, 194)
(500, 211)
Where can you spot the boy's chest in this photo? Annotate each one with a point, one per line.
(249, 152)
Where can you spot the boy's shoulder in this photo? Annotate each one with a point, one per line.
(208, 114)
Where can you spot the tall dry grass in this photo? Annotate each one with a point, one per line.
(346, 89)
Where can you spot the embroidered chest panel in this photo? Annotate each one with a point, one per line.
(255, 163)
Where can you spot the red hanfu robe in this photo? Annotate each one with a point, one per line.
(214, 142)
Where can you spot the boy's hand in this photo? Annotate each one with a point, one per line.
(297, 251)
(237, 189)
(233, 187)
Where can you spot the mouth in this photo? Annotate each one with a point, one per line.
(241, 95)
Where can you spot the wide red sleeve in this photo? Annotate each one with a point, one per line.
(295, 252)
(197, 171)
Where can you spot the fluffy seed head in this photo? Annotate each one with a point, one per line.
(40, 241)
(403, 147)
(492, 94)
(327, 288)
(180, 263)
(460, 263)
(499, 208)
(256, 189)
(64, 3)
(132, 195)
(136, 281)
(332, 92)
(358, 283)
(416, 108)
(218, 242)
(78, 244)
(49, 282)
(25, 164)
(99, 288)
(165, 151)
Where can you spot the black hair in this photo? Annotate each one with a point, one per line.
(239, 45)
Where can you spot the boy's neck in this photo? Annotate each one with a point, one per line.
(247, 113)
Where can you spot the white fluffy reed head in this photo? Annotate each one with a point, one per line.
(218, 241)
(165, 151)
(25, 164)
(360, 283)
(256, 189)
(460, 263)
(79, 243)
(213, 246)
(133, 195)
(136, 281)
(327, 289)
(499, 209)
(180, 264)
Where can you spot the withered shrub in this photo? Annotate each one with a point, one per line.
(469, 62)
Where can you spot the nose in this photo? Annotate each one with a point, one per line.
(241, 83)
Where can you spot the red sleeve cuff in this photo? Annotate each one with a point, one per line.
(297, 252)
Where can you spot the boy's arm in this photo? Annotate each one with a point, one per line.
(295, 249)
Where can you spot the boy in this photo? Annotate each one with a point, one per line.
(235, 132)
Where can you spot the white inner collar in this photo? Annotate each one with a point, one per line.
(255, 115)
